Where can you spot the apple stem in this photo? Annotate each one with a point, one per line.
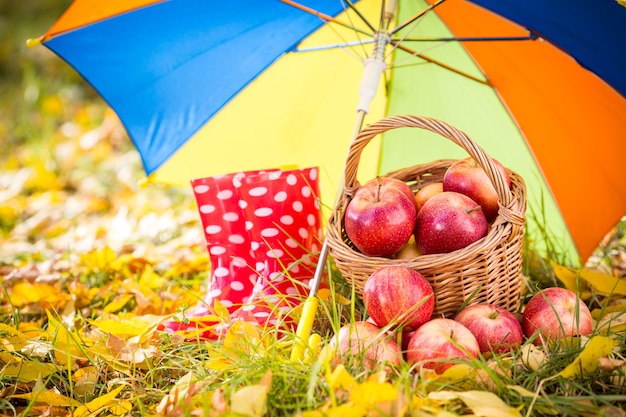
(474, 209)
(380, 185)
(494, 315)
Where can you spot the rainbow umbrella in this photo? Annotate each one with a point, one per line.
(205, 88)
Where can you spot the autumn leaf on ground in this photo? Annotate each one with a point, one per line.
(589, 359)
(251, 400)
(482, 403)
(107, 402)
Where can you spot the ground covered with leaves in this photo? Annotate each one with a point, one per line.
(93, 262)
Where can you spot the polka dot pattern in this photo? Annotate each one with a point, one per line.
(255, 223)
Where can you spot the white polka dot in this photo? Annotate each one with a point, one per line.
(213, 229)
(217, 250)
(230, 217)
(207, 208)
(236, 239)
(295, 268)
(286, 219)
(313, 174)
(242, 204)
(314, 247)
(269, 232)
(280, 196)
(237, 179)
(275, 253)
(201, 189)
(220, 272)
(276, 276)
(306, 191)
(258, 287)
(260, 266)
(285, 309)
(249, 225)
(310, 219)
(263, 212)
(249, 308)
(226, 303)
(239, 262)
(291, 291)
(303, 233)
(224, 194)
(275, 175)
(258, 191)
(291, 179)
(297, 206)
(237, 286)
(254, 245)
(213, 293)
(261, 314)
(273, 322)
(291, 243)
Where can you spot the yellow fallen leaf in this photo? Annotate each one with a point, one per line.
(103, 403)
(27, 371)
(250, 401)
(604, 283)
(46, 397)
(588, 360)
(367, 394)
(341, 378)
(346, 410)
(532, 356)
(326, 294)
(482, 403)
(601, 282)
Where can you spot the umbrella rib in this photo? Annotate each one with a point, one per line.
(531, 37)
(415, 17)
(358, 13)
(324, 16)
(439, 63)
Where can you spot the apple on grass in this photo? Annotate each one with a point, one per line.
(398, 296)
(380, 218)
(364, 343)
(447, 222)
(434, 344)
(496, 329)
(426, 192)
(469, 178)
(556, 313)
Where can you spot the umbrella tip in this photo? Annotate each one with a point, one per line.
(31, 43)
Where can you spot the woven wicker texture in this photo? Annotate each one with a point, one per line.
(486, 271)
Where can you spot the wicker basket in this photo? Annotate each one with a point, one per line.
(486, 271)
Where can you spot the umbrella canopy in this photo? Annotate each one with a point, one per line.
(206, 88)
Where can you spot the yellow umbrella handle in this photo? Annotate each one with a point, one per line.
(309, 310)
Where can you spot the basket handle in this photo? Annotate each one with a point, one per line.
(368, 133)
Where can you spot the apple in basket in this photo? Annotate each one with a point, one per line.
(364, 343)
(426, 192)
(556, 313)
(398, 296)
(380, 218)
(437, 343)
(496, 329)
(469, 178)
(449, 221)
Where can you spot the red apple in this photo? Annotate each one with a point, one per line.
(399, 296)
(556, 313)
(364, 343)
(401, 185)
(447, 222)
(380, 218)
(439, 340)
(426, 192)
(469, 178)
(496, 329)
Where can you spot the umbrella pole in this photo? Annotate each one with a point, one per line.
(374, 68)
(309, 308)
